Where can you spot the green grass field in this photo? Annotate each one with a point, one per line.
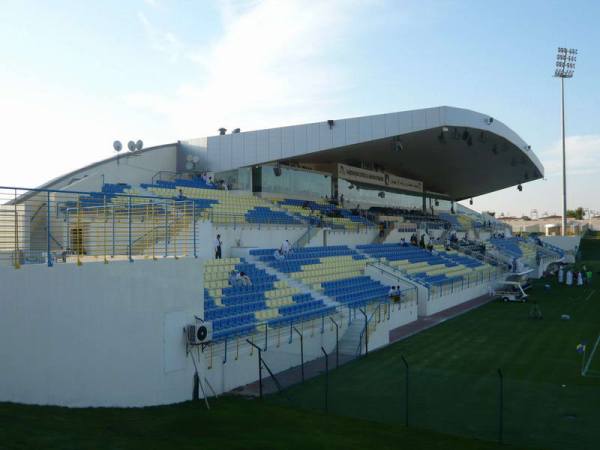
(453, 393)
(232, 423)
(454, 384)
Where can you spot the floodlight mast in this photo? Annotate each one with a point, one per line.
(565, 68)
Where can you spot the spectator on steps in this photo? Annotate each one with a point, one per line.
(285, 247)
(580, 278)
(233, 277)
(278, 255)
(218, 245)
(245, 279)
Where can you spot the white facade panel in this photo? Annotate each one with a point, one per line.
(325, 136)
(287, 142)
(378, 123)
(365, 128)
(262, 145)
(433, 117)
(225, 159)
(352, 131)
(392, 126)
(339, 133)
(300, 140)
(405, 122)
(250, 148)
(275, 143)
(237, 149)
(419, 120)
(313, 137)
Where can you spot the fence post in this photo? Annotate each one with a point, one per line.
(49, 233)
(194, 226)
(79, 232)
(501, 408)
(406, 390)
(104, 230)
(364, 313)
(113, 232)
(260, 385)
(301, 352)
(326, 380)
(337, 347)
(129, 250)
(166, 230)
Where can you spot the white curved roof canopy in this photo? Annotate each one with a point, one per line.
(434, 149)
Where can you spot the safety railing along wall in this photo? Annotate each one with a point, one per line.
(467, 281)
(272, 337)
(53, 226)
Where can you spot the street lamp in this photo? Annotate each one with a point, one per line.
(565, 67)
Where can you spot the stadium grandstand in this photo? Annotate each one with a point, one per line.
(164, 271)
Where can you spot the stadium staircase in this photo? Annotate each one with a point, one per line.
(352, 338)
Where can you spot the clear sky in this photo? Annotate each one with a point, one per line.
(75, 75)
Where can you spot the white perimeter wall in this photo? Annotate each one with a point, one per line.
(98, 335)
(568, 243)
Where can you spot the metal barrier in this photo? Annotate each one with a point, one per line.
(61, 226)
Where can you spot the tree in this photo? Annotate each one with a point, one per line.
(575, 213)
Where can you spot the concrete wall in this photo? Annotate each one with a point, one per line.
(568, 243)
(98, 335)
(339, 237)
(429, 306)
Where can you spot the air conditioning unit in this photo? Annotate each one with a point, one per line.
(199, 334)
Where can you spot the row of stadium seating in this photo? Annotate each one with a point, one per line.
(517, 248)
(322, 212)
(224, 206)
(337, 271)
(427, 268)
(238, 310)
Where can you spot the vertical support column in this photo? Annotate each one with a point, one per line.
(564, 158)
(129, 249)
(48, 231)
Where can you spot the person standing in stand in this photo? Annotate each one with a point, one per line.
(218, 245)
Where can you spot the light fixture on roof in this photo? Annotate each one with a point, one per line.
(236, 131)
(565, 68)
(117, 146)
(471, 201)
(520, 188)
(222, 131)
(131, 146)
(331, 123)
(139, 144)
(489, 120)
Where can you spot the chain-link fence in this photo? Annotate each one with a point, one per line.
(492, 407)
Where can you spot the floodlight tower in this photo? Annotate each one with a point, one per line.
(565, 67)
